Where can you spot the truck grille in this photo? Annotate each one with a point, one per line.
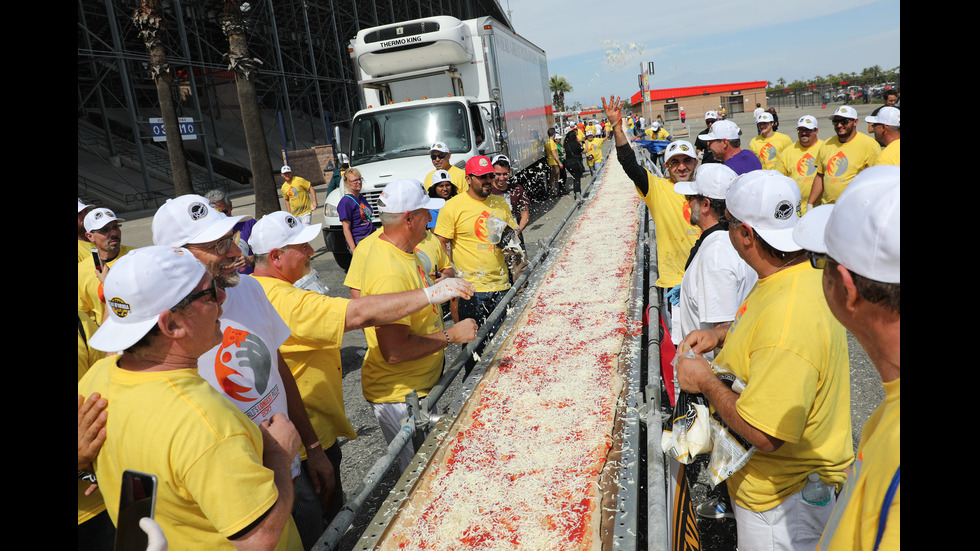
(372, 199)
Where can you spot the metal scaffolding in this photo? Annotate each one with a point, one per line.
(305, 75)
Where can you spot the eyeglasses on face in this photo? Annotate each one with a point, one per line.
(221, 247)
(438, 156)
(189, 299)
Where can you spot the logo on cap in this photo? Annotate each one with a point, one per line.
(483, 162)
(119, 307)
(197, 211)
(98, 214)
(784, 210)
(290, 221)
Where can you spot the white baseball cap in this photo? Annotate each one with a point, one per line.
(141, 285)
(406, 195)
(441, 176)
(189, 219)
(285, 169)
(712, 180)
(97, 219)
(278, 229)
(765, 116)
(344, 159)
(766, 201)
(680, 147)
(440, 147)
(497, 158)
(889, 116)
(862, 230)
(807, 121)
(81, 206)
(722, 130)
(711, 115)
(845, 111)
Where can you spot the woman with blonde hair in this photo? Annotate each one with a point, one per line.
(354, 211)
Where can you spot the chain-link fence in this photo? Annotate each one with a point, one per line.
(856, 90)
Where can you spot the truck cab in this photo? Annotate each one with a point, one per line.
(438, 79)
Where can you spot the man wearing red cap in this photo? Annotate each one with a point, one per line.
(467, 225)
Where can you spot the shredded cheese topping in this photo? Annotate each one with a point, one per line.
(520, 469)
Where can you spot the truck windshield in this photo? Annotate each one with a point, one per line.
(409, 131)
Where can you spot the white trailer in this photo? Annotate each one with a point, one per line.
(475, 85)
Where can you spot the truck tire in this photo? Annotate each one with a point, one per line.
(339, 250)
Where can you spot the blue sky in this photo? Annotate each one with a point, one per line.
(598, 46)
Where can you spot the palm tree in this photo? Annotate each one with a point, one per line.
(559, 86)
(148, 21)
(246, 68)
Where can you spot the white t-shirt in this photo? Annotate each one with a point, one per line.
(245, 366)
(714, 286)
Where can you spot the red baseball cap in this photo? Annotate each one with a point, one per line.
(479, 165)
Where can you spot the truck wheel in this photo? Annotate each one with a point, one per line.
(343, 260)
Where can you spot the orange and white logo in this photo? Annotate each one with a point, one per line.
(245, 357)
(480, 229)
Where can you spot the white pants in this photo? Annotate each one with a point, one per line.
(306, 219)
(390, 418)
(793, 525)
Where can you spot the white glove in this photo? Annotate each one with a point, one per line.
(451, 287)
(156, 541)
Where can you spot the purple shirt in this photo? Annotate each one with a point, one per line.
(359, 213)
(744, 161)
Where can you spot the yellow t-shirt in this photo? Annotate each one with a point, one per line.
(594, 147)
(297, 194)
(890, 154)
(792, 354)
(85, 250)
(88, 505)
(800, 164)
(675, 235)
(312, 352)
(391, 270)
(464, 222)
(432, 255)
(854, 522)
(840, 163)
(205, 453)
(767, 149)
(456, 175)
(355, 271)
(551, 152)
(88, 287)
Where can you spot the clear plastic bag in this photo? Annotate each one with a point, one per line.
(695, 429)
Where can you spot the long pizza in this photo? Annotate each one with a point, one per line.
(522, 466)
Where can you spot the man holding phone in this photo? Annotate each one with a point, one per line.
(102, 229)
(225, 482)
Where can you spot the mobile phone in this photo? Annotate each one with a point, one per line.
(137, 499)
(97, 260)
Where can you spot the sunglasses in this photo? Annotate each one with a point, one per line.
(189, 299)
(483, 176)
(438, 156)
(818, 260)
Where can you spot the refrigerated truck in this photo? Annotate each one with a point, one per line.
(475, 85)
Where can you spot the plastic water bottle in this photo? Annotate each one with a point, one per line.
(311, 282)
(816, 492)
